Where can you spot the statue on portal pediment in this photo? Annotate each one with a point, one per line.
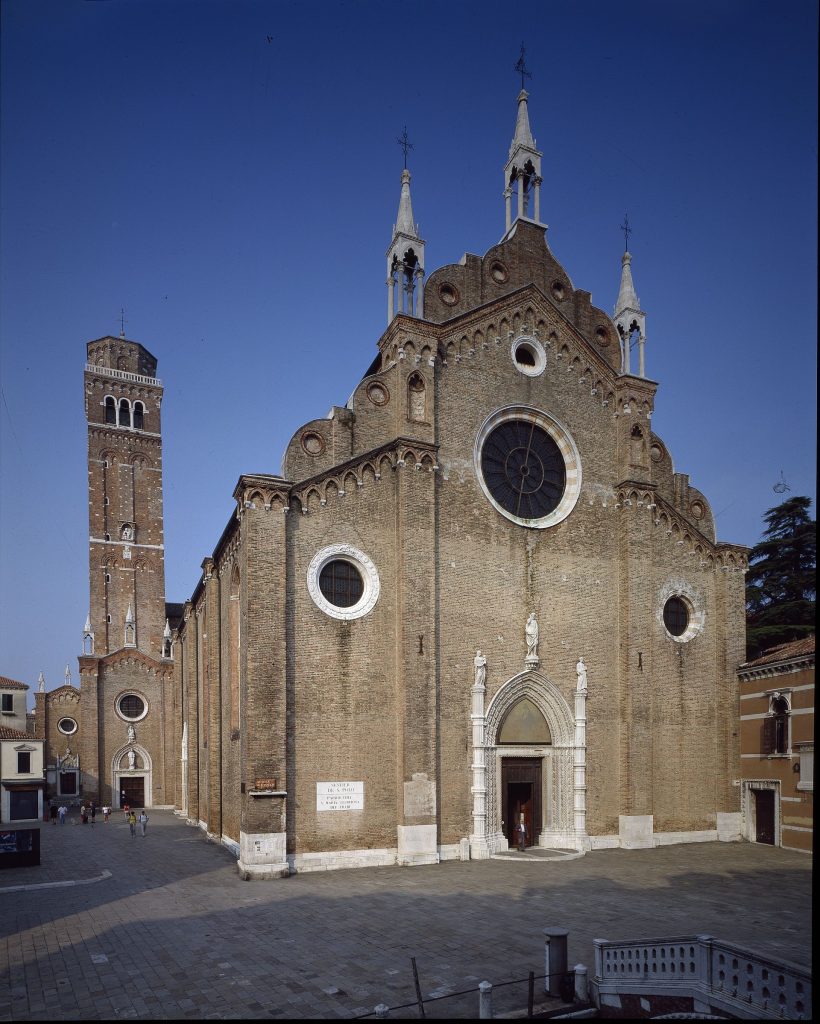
(132, 760)
(480, 663)
(531, 634)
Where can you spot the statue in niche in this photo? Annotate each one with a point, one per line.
(132, 760)
(581, 670)
(127, 532)
(480, 663)
(132, 734)
(416, 387)
(531, 633)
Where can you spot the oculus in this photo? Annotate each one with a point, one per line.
(528, 355)
(499, 272)
(448, 293)
(67, 726)
(680, 611)
(131, 707)
(528, 466)
(378, 393)
(313, 443)
(343, 582)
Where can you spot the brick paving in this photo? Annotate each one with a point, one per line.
(174, 933)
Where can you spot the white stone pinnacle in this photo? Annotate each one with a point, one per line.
(627, 299)
(523, 135)
(404, 221)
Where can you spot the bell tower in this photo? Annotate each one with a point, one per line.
(405, 257)
(123, 398)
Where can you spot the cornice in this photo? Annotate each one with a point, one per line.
(778, 668)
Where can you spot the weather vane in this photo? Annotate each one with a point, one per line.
(627, 230)
(521, 67)
(122, 323)
(781, 486)
(405, 144)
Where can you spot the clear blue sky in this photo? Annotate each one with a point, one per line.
(236, 196)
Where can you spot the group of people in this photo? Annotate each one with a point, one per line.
(89, 814)
(135, 819)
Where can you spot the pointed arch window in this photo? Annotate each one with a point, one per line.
(416, 398)
(234, 641)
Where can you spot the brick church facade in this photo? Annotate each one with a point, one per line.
(478, 595)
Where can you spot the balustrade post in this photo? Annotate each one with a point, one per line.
(581, 983)
(485, 1000)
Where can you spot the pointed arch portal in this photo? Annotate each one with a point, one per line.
(526, 751)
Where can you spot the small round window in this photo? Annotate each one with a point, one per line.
(132, 707)
(529, 356)
(676, 616)
(343, 582)
(67, 726)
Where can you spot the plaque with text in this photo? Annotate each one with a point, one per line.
(339, 796)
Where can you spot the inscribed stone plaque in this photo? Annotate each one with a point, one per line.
(339, 796)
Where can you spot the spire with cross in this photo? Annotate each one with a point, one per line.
(521, 66)
(627, 230)
(404, 141)
(122, 323)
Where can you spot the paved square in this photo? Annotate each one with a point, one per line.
(163, 927)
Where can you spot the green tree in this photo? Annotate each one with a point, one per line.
(781, 582)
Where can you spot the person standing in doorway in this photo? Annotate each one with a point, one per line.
(143, 822)
(132, 823)
(521, 834)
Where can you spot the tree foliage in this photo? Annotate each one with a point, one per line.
(781, 582)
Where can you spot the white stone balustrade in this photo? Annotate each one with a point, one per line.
(711, 971)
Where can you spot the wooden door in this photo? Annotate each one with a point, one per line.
(764, 816)
(132, 791)
(521, 794)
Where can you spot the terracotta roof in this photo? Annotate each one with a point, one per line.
(11, 684)
(783, 652)
(7, 733)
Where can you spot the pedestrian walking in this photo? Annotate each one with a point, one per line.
(83, 814)
(132, 823)
(93, 812)
(106, 811)
(127, 808)
(143, 820)
(62, 811)
(52, 810)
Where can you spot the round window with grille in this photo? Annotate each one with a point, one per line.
(676, 616)
(131, 707)
(343, 581)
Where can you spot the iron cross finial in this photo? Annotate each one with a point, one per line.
(122, 323)
(405, 143)
(627, 230)
(521, 67)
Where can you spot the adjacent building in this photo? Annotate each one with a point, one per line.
(777, 745)
(22, 779)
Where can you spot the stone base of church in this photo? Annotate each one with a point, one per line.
(333, 860)
(262, 855)
(635, 831)
(729, 826)
(555, 840)
(417, 845)
(728, 831)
